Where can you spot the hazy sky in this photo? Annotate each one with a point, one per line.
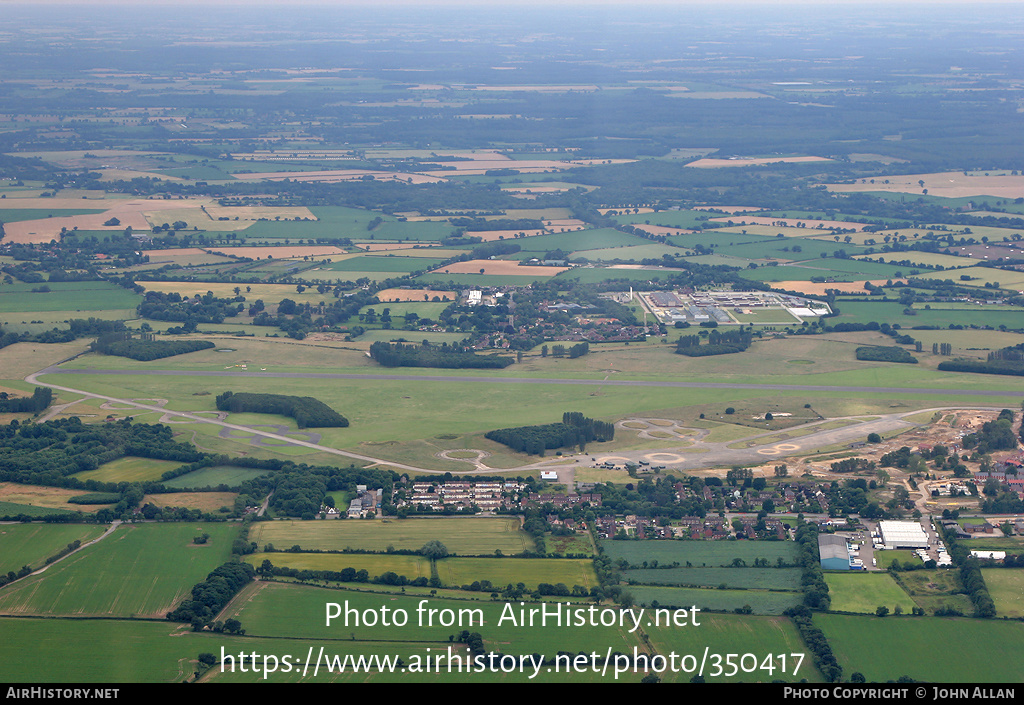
(967, 4)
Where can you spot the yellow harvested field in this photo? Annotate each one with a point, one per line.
(132, 212)
(497, 266)
(256, 212)
(342, 175)
(564, 224)
(926, 258)
(48, 497)
(22, 359)
(718, 163)
(203, 501)
(393, 295)
(283, 252)
(791, 222)
(948, 184)
(492, 235)
(819, 288)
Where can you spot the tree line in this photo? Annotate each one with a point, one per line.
(576, 430)
(426, 355)
(308, 412)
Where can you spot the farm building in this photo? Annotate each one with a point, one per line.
(902, 534)
(834, 553)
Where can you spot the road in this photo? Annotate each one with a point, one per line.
(698, 454)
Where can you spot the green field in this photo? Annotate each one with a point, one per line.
(727, 633)
(1006, 586)
(411, 567)
(13, 509)
(282, 609)
(760, 601)
(700, 553)
(391, 265)
(886, 648)
(140, 570)
(32, 544)
(865, 592)
(129, 469)
(455, 572)
(461, 535)
(66, 296)
(214, 476)
(749, 578)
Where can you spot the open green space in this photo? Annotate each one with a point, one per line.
(747, 578)
(700, 554)
(66, 296)
(411, 567)
(456, 572)
(1006, 586)
(372, 263)
(884, 649)
(129, 469)
(863, 592)
(760, 601)
(32, 544)
(460, 535)
(729, 633)
(138, 571)
(213, 476)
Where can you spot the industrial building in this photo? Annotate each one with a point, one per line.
(835, 554)
(902, 534)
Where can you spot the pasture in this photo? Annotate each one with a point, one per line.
(129, 469)
(455, 572)
(1006, 586)
(66, 296)
(728, 633)
(289, 609)
(746, 578)
(411, 567)
(760, 601)
(700, 553)
(862, 592)
(214, 476)
(138, 571)
(886, 648)
(461, 535)
(43, 498)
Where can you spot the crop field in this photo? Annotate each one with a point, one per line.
(137, 571)
(1006, 586)
(700, 553)
(66, 296)
(760, 601)
(635, 253)
(275, 609)
(892, 312)
(44, 498)
(948, 184)
(32, 544)
(65, 650)
(414, 295)
(728, 633)
(865, 592)
(498, 267)
(461, 535)
(746, 578)
(411, 567)
(13, 509)
(391, 264)
(269, 293)
(209, 502)
(129, 469)
(593, 275)
(504, 571)
(887, 648)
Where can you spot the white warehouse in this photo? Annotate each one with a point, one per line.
(902, 534)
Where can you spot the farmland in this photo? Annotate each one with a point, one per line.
(465, 536)
(622, 206)
(137, 571)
